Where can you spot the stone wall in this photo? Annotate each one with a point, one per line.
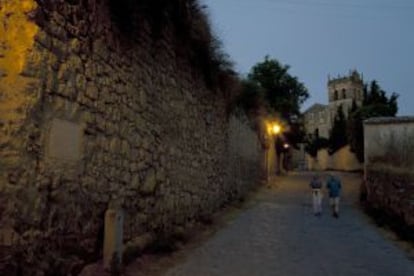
(245, 157)
(389, 159)
(342, 160)
(94, 118)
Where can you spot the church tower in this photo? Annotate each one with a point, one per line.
(343, 91)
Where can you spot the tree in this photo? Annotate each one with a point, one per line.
(296, 133)
(338, 135)
(283, 92)
(355, 133)
(270, 90)
(379, 103)
(375, 104)
(314, 143)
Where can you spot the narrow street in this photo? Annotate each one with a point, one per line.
(277, 234)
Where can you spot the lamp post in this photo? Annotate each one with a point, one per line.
(276, 129)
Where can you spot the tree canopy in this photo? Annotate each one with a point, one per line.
(376, 104)
(269, 90)
(282, 92)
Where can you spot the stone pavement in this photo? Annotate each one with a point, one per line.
(278, 235)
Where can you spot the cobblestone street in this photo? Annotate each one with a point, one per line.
(278, 235)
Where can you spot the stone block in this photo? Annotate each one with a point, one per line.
(139, 243)
(8, 237)
(150, 183)
(65, 142)
(91, 91)
(113, 237)
(115, 145)
(125, 147)
(44, 39)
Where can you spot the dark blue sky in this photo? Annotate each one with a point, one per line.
(321, 37)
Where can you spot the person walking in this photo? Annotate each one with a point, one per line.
(334, 186)
(316, 185)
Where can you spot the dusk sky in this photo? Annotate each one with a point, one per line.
(321, 37)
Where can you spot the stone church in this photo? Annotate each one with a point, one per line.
(342, 91)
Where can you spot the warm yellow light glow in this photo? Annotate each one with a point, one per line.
(17, 37)
(273, 128)
(276, 129)
(17, 34)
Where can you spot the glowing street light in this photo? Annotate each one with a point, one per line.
(276, 129)
(286, 146)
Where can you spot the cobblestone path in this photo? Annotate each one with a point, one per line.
(278, 235)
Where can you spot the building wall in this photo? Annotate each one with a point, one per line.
(95, 118)
(333, 108)
(319, 119)
(389, 160)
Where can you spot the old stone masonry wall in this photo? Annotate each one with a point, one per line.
(389, 167)
(93, 119)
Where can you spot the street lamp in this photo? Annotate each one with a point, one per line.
(276, 129)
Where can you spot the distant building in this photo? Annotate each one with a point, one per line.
(342, 91)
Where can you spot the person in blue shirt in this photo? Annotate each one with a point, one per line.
(334, 187)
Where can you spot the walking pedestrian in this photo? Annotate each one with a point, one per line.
(316, 185)
(334, 186)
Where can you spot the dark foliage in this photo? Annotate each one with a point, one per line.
(355, 133)
(250, 98)
(189, 21)
(270, 91)
(338, 135)
(376, 104)
(313, 144)
(283, 92)
(295, 134)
